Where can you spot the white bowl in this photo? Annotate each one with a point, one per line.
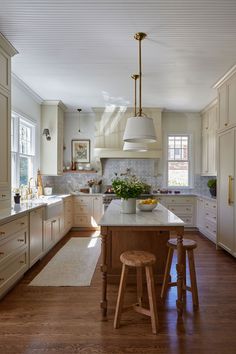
(146, 207)
(47, 190)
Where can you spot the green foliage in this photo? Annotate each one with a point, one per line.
(128, 187)
(211, 183)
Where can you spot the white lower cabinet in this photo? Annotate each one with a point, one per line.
(36, 235)
(207, 217)
(87, 210)
(51, 233)
(14, 242)
(182, 206)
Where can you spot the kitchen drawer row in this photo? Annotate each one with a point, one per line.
(27, 238)
(197, 212)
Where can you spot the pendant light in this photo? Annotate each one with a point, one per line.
(135, 146)
(79, 110)
(140, 129)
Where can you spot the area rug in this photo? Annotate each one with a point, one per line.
(73, 265)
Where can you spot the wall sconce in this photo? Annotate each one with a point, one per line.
(47, 134)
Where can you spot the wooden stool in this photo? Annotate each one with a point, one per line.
(188, 247)
(139, 260)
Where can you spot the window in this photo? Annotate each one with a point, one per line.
(22, 150)
(178, 161)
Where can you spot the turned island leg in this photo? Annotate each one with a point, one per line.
(103, 302)
(180, 271)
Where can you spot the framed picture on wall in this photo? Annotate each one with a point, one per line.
(80, 150)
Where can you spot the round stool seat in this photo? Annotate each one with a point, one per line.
(137, 258)
(187, 244)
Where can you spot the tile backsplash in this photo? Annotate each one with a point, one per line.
(145, 169)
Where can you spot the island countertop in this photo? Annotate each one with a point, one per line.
(160, 216)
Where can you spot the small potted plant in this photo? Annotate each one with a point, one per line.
(212, 186)
(128, 189)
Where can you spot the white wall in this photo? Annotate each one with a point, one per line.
(71, 127)
(182, 123)
(27, 104)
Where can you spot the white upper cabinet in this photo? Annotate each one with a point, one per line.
(52, 118)
(227, 100)
(6, 52)
(209, 125)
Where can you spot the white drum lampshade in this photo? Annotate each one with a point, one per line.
(135, 147)
(139, 130)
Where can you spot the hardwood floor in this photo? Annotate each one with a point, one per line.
(67, 319)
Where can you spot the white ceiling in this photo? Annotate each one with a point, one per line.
(83, 51)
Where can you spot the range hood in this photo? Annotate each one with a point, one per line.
(106, 153)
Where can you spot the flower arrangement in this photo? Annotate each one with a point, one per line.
(212, 186)
(129, 187)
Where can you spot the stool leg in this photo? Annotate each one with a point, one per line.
(139, 285)
(193, 279)
(167, 273)
(120, 298)
(152, 298)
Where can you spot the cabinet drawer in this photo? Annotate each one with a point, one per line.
(82, 220)
(181, 209)
(12, 244)
(187, 219)
(82, 208)
(211, 206)
(82, 201)
(13, 226)
(5, 195)
(11, 270)
(210, 216)
(180, 200)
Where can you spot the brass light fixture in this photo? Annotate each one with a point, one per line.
(135, 146)
(140, 129)
(79, 110)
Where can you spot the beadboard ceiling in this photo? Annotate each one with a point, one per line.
(83, 51)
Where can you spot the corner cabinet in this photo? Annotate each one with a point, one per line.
(52, 118)
(209, 127)
(227, 102)
(6, 52)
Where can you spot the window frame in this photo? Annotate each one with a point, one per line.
(189, 160)
(18, 118)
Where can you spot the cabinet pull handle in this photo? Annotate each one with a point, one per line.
(22, 223)
(1, 253)
(20, 240)
(21, 262)
(230, 180)
(3, 195)
(2, 233)
(2, 279)
(207, 214)
(207, 227)
(226, 124)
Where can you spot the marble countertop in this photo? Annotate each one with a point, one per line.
(160, 216)
(197, 195)
(8, 214)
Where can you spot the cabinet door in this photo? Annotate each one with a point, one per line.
(56, 229)
(232, 100)
(204, 153)
(36, 235)
(225, 190)
(223, 106)
(5, 119)
(97, 209)
(5, 70)
(200, 213)
(48, 235)
(60, 141)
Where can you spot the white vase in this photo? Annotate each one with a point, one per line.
(128, 206)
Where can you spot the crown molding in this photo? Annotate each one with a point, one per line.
(58, 103)
(22, 85)
(209, 106)
(225, 77)
(7, 46)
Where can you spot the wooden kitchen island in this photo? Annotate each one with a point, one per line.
(147, 231)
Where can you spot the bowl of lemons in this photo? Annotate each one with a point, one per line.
(147, 204)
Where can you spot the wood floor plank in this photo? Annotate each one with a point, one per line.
(67, 320)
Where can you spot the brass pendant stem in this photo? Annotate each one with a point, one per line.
(135, 77)
(140, 36)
